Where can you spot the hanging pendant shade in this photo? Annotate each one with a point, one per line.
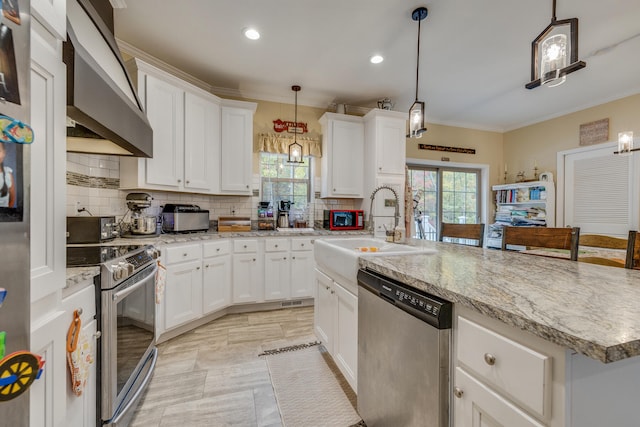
(416, 112)
(295, 149)
(554, 53)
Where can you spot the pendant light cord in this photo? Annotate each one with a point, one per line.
(418, 63)
(553, 17)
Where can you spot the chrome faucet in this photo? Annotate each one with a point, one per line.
(397, 212)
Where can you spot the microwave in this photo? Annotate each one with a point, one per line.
(343, 220)
(91, 229)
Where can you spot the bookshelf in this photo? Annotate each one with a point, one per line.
(522, 204)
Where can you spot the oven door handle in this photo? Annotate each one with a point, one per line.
(141, 389)
(123, 293)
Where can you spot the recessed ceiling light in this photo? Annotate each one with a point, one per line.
(251, 33)
(376, 59)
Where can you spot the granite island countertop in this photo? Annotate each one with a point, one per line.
(592, 309)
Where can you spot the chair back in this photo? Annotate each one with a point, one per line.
(601, 241)
(633, 251)
(543, 237)
(463, 231)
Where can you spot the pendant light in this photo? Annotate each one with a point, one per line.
(295, 149)
(554, 53)
(416, 112)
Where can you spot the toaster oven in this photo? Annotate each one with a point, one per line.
(184, 218)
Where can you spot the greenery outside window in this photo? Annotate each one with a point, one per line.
(449, 195)
(280, 180)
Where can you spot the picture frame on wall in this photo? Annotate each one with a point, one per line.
(9, 89)
(11, 11)
(11, 182)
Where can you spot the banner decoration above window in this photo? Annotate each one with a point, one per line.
(279, 143)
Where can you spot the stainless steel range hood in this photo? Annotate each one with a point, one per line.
(100, 95)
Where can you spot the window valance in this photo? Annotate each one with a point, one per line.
(278, 143)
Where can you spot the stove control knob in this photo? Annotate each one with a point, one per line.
(118, 272)
(153, 253)
(130, 268)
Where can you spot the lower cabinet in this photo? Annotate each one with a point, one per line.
(302, 265)
(216, 276)
(183, 293)
(277, 270)
(476, 405)
(336, 324)
(248, 275)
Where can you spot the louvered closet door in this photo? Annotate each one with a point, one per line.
(602, 191)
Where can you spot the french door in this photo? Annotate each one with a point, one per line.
(442, 194)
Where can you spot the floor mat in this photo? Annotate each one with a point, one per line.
(309, 388)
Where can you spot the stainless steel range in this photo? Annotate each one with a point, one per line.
(125, 307)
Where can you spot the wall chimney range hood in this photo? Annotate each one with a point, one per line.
(104, 114)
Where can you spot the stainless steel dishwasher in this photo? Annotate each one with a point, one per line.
(404, 338)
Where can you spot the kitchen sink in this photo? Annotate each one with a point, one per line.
(339, 257)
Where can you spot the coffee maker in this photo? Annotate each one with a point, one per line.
(141, 224)
(284, 206)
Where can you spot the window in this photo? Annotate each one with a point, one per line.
(280, 180)
(443, 195)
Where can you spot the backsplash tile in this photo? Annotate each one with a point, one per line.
(93, 183)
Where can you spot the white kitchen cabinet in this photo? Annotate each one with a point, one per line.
(81, 410)
(48, 168)
(47, 398)
(277, 270)
(504, 376)
(324, 310)
(186, 135)
(476, 405)
(182, 299)
(345, 344)
(385, 142)
(336, 324)
(216, 275)
(342, 156)
(236, 147)
(302, 264)
(248, 277)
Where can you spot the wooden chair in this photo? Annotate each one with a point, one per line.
(543, 237)
(463, 231)
(604, 242)
(633, 250)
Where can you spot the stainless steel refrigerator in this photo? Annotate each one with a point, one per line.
(15, 21)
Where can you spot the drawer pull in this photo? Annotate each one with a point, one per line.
(217, 249)
(197, 268)
(276, 246)
(184, 254)
(458, 392)
(245, 246)
(301, 244)
(490, 359)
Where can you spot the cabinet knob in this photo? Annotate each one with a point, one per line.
(188, 181)
(254, 259)
(327, 288)
(247, 186)
(301, 244)
(197, 268)
(184, 254)
(179, 181)
(457, 392)
(276, 246)
(284, 258)
(334, 189)
(206, 266)
(293, 257)
(490, 359)
(332, 292)
(245, 246)
(217, 249)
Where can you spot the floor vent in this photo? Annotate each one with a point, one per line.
(291, 303)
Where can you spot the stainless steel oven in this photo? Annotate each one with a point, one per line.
(127, 321)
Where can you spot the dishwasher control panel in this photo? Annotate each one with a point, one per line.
(431, 309)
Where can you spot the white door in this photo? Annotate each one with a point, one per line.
(302, 278)
(201, 143)
(390, 145)
(347, 151)
(601, 191)
(236, 150)
(182, 294)
(216, 285)
(324, 310)
(277, 276)
(345, 344)
(165, 110)
(245, 278)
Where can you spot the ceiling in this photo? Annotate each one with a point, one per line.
(474, 55)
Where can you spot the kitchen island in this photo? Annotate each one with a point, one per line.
(577, 324)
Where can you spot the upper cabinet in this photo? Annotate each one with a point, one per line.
(342, 156)
(191, 134)
(236, 147)
(385, 142)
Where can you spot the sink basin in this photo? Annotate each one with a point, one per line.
(339, 257)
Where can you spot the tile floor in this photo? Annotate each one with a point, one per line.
(212, 376)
